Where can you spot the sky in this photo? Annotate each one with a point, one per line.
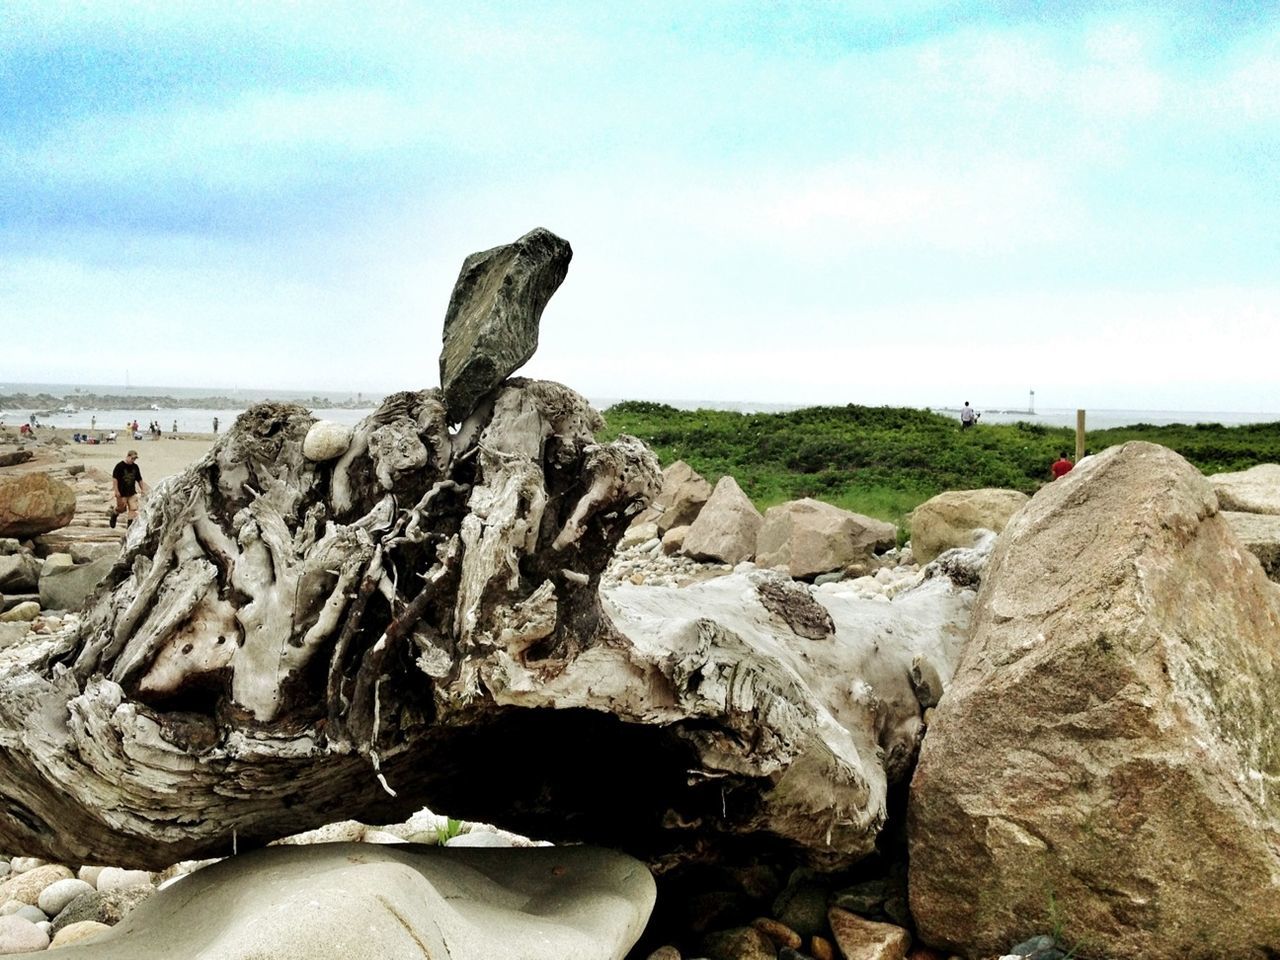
(916, 202)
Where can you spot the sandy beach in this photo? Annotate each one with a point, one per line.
(157, 458)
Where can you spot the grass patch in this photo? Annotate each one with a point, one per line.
(884, 461)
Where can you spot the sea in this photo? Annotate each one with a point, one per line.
(356, 406)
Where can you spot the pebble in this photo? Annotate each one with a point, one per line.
(58, 894)
(822, 949)
(27, 886)
(25, 864)
(34, 914)
(26, 611)
(90, 875)
(77, 932)
(664, 953)
(20, 935)
(779, 933)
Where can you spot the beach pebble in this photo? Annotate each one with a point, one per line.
(117, 878)
(26, 611)
(77, 932)
(10, 907)
(58, 894)
(20, 935)
(24, 864)
(326, 440)
(479, 838)
(90, 875)
(4, 869)
(34, 914)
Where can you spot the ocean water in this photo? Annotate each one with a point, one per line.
(200, 420)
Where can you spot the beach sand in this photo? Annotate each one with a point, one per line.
(157, 458)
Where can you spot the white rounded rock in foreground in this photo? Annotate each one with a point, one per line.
(367, 901)
(20, 935)
(326, 440)
(58, 894)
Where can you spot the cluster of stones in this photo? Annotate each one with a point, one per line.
(805, 539)
(50, 905)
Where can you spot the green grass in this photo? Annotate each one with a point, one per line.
(884, 461)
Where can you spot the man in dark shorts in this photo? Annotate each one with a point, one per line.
(126, 483)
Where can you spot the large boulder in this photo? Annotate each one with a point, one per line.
(406, 901)
(1105, 756)
(727, 526)
(34, 503)
(68, 587)
(808, 537)
(1256, 490)
(1260, 533)
(950, 519)
(684, 493)
(491, 326)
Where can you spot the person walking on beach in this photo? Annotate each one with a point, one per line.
(968, 416)
(174, 431)
(1061, 467)
(93, 423)
(215, 424)
(126, 482)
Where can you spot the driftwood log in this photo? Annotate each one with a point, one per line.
(417, 621)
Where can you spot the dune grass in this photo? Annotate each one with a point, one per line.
(884, 461)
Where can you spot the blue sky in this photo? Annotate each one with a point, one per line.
(914, 202)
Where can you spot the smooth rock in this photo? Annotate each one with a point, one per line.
(1109, 740)
(78, 932)
(491, 325)
(667, 952)
(637, 534)
(778, 932)
(860, 939)
(727, 526)
(410, 902)
(34, 503)
(326, 440)
(951, 518)
(808, 537)
(20, 935)
(9, 545)
(89, 874)
(32, 913)
(55, 897)
(1256, 490)
(67, 588)
(24, 612)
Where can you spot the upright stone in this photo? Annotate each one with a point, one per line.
(491, 327)
(726, 528)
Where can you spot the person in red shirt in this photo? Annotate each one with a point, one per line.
(1061, 467)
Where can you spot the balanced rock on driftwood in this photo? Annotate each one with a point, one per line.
(491, 327)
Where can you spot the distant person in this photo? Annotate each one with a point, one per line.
(215, 424)
(174, 431)
(126, 483)
(93, 423)
(1061, 467)
(968, 416)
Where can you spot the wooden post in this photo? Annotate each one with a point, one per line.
(1079, 435)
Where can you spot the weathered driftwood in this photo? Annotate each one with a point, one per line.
(285, 643)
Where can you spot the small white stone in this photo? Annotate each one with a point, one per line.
(479, 838)
(89, 874)
(10, 907)
(326, 440)
(23, 864)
